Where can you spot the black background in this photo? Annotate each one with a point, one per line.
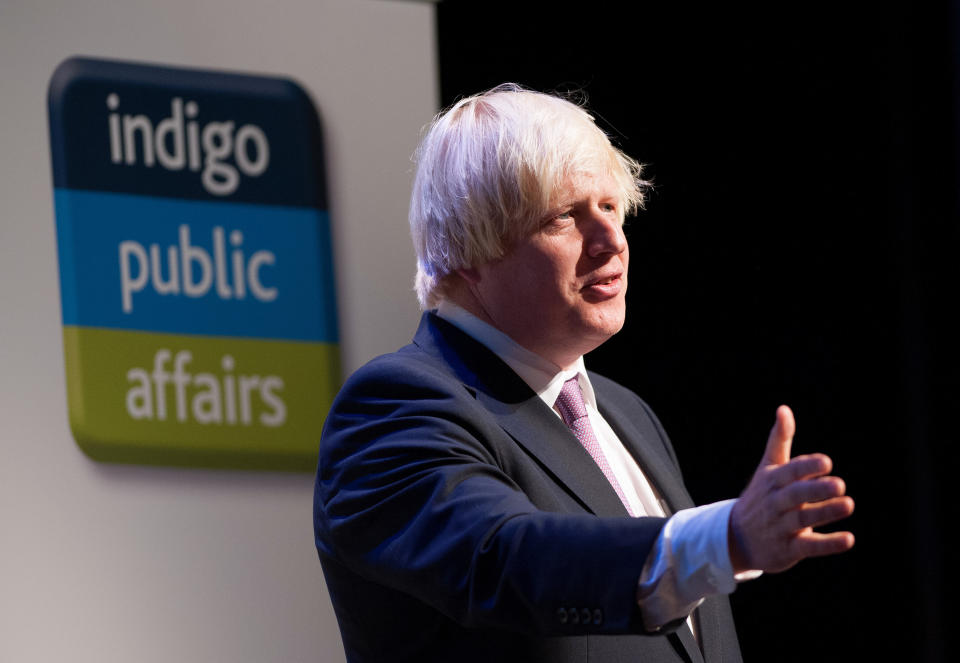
(799, 247)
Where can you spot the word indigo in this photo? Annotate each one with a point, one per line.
(177, 142)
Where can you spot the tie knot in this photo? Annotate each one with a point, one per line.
(570, 403)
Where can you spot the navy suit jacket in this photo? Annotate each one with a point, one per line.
(458, 519)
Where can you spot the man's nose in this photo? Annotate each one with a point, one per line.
(606, 235)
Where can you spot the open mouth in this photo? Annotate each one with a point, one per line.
(605, 288)
(606, 281)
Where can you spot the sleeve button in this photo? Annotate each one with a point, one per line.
(561, 615)
(597, 616)
(585, 616)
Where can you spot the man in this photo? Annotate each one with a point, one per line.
(482, 497)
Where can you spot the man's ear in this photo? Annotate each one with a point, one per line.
(469, 274)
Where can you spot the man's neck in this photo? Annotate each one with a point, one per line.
(544, 377)
(464, 298)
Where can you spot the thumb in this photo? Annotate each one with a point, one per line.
(781, 438)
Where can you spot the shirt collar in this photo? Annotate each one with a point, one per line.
(541, 375)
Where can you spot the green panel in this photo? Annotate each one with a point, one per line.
(169, 399)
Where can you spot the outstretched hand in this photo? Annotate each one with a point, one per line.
(771, 525)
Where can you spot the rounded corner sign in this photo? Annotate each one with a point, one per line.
(196, 272)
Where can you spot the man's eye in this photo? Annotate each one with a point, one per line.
(558, 221)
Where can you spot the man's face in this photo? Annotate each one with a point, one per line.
(560, 291)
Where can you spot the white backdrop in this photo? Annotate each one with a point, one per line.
(107, 563)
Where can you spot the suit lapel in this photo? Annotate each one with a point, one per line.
(525, 417)
(546, 438)
(521, 413)
(661, 472)
(684, 641)
(656, 465)
(708, 619)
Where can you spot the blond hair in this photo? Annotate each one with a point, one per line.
(488, 169)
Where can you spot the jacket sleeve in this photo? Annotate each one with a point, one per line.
(412, 494)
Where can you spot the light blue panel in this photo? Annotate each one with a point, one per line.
(110, 277)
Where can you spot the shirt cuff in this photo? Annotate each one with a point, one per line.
(689, 561)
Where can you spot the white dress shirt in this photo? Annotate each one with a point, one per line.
(690, 559)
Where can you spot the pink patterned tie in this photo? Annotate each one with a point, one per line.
(573, 410)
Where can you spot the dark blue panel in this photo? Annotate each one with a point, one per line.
(195, 122)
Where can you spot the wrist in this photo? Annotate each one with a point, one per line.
(735, 548)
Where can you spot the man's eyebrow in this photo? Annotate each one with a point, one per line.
(567, 199)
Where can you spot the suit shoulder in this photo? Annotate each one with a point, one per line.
(408, 367)
(406, 383)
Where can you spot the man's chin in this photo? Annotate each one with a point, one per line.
(606, 321)
(599, 332)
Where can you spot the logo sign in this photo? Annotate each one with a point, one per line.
(195, 265)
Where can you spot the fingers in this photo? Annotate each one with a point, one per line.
(799, 469)
(781, 437)
(819, 544)
(772, 524)
(823, 513)
(809, 491)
